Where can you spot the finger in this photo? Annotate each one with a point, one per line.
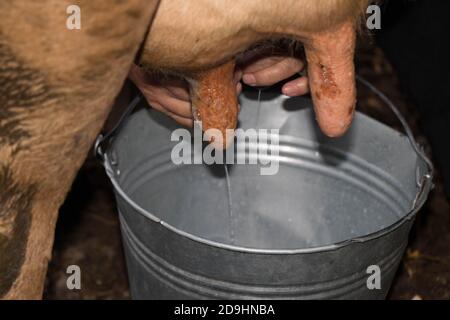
(187, 122)
(163, 97)
(238, 88)
(178, 89)
(297, 87)
(177, 106)
(275, 73)
(183, 121)
(262, 63)
(237, 75)
(155, 105)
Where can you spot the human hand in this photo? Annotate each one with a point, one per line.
(169, 95)
(267, 71)
(273, 61)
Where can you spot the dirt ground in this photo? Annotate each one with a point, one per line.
(88, 232)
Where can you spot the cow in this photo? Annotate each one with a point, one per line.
(57, 86)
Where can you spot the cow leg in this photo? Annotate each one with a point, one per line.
(56, 89)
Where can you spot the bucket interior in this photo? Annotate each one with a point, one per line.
(325, 190)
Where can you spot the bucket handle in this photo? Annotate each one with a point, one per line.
(102, 139)
(425, 181)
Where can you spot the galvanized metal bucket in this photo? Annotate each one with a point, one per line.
(332, 222)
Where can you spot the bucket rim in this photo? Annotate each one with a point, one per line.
(421, 196)
(425, 185)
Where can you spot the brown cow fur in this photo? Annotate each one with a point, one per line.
(56, 89)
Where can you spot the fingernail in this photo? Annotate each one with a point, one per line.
(288, 90)
(249, 79)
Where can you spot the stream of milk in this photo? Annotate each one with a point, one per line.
(230, 204)
(231, 216)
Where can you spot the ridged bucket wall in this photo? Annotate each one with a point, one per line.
(311, 231)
